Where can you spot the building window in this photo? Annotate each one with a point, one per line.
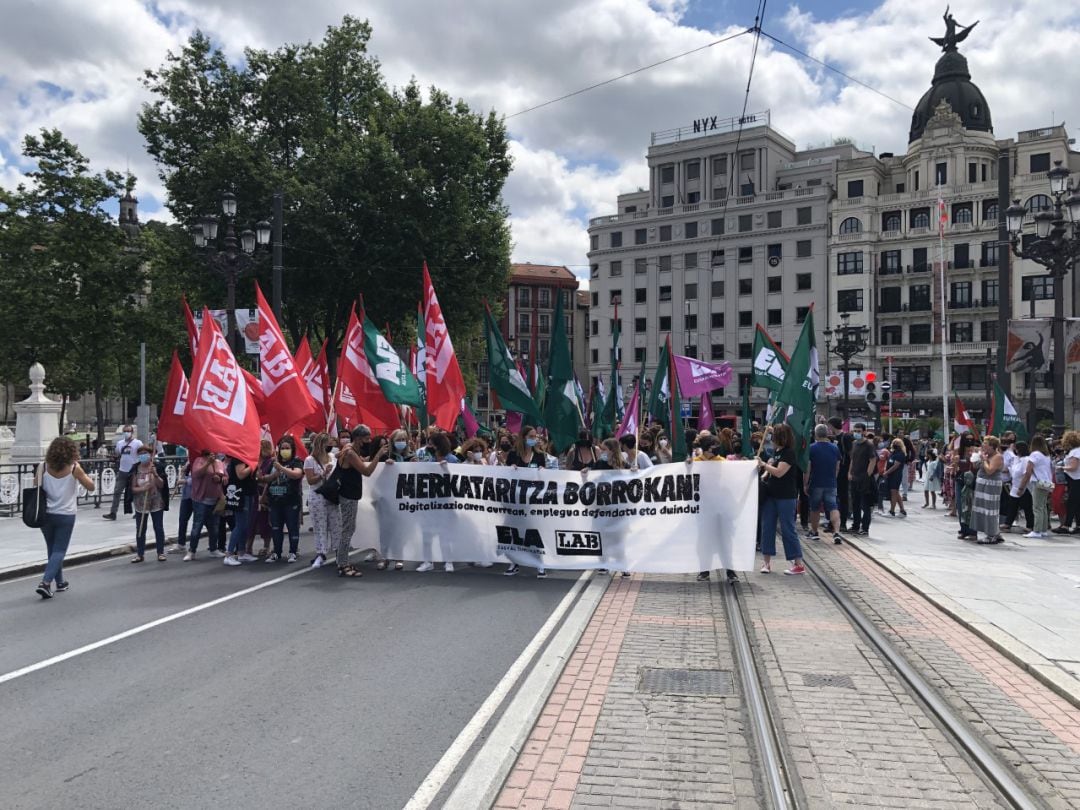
(900, 188)
(854, 188)
(595, 298)
(774, 317)
(595, 356)
(1037, 203)
(545, 323)
(990, 210)
(616, 269)
(1039, 163)
(774, 219)
(746, 162)
(665, 293)
(746, 318)
(594, 242)
(851, 225)
(667, 201)
(916, 179)
(960, 332)
(801, 313)
(776, 284)
(614, 297)
(1041, 287)
(664, 264)
(803, 281)
(849, 264)
(640, 324)
(920, 217)
(693, 198)
(962, 213)
(960, 295)
(665, 233)
(746, 223)
(973, 172)
(890, 299)
(919, 334)
(716, 351)
(961, 256)
(641, 236)
(803, 216)
(719, 165)
(990, 292)
(912, 378)
(988, 331)
(718, 289)
(524, 323)
(719, 193)
(969, 378)
(918, 260)
(691, 230)
(890, 262)
(716, 227)
(667, 174)
(691, 322)
(524, 297)
(746, 350)
(613, 325)
(717, 320)
(803, 249)
(693, 169)
(717, 259)
(640, 266)
(594, 327)
(641, 295)
(690, 292)
(746, 255)
(746, 286)
(989, 254)
(689, 261)
(665, 323)
(639, 354)
(775, 251)
(616, 239)
(941, 174)
(890, 222)
(891, 335)
(919, 298)
(594, 271)
(849, 300)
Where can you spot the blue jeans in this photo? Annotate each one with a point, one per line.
(202, 515)
(783, 511)
(57, 530)
(823, 497)
(186, 509)
(285, 515)
(141, 520)
(238, 538)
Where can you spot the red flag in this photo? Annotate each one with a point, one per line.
(317, 377)
(360, 399)
(254, 387)
(445, 386)
(287, 399)
(174, 405)
(221, 414)
(192, 328)
(962, 421)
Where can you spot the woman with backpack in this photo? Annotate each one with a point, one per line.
(61, 476)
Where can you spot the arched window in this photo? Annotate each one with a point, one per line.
(892, 222)
(990, 211)
(851, 225)
(962, 214)
(1037, 203)
(921, 220)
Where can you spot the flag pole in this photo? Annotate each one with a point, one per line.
(331, 416)
(944, 326)
(637, 421)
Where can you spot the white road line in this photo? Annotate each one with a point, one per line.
(445, 767)
(142, 628)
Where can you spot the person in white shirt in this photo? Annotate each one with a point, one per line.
(1070, 443)
(1039, 477)
(127, 449)
(629, 444)
(59, 476)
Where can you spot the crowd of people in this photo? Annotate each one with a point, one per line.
(247, 511)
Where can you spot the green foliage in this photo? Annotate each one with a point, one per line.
(375, 180)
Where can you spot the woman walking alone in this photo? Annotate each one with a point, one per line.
(61, 475)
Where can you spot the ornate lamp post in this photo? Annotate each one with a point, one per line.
(1056, 247)
(850, 341)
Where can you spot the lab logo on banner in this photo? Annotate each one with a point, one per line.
(578, 544)
(511, 539)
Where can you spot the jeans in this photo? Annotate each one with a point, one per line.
(1072, 502)
(186, 509)
(861, 498)
(1040, 499)
(143, 518)
(203, 515)
(783, 511)
(225, 524)
(1017, 505)
(285, 515)
(118, 491)
(823, 498)
(238, 538)
(57, 530)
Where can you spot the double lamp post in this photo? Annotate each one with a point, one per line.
(850, 341)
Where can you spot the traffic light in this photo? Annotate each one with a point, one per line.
(886, 387)
(870, 391)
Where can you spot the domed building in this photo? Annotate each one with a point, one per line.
(890, 239)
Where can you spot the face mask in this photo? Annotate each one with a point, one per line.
(143, 458)
(605, 456)
(663, 442)
(286, 453)
(478, 456)
(400, 446)
(127, 434)
(220, 456)
(857, 436)
(530, 442)
(505, 448)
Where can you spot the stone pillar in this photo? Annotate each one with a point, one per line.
(37, 421)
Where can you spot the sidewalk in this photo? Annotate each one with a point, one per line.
(1022, 596)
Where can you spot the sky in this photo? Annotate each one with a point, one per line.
(75, 65)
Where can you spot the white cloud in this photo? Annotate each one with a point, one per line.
(76, 65)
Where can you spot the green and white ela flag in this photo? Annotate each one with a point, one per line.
(562, 415)
(503, 374)
(661, 391)
(770, 363)
(398, 384)
(1004, 417)
(797, 396)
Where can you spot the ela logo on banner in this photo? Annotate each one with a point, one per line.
(577, 544)
(510, 539)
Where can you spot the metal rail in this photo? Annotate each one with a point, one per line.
(991, 765)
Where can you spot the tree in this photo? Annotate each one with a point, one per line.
(70, 278)
(375, 180)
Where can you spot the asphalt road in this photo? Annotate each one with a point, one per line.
(313, 692)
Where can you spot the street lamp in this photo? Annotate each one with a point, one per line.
(850, 341)
(1056, 247)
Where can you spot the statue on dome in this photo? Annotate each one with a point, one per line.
(952, 36)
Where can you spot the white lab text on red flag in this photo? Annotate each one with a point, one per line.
(171, 426)
(287, 399)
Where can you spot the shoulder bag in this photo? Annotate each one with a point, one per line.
(33, 501)
(330, 488)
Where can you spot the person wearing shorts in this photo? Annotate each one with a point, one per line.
(821, 482)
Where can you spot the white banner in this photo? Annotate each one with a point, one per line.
(1072, 344)
(247, 321)
(1028, 347)
(669, 519)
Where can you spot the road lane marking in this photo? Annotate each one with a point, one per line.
(435, 780)
(142, 628)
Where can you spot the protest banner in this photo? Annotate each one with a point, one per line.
(669, 519)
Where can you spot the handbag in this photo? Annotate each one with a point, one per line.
(330, 488)
(33, 502)
(1044, 486)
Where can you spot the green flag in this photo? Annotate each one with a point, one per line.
(770, 363)
(660, 393)
(561, 413)
(797, 397)
(1004, 416)
(540, 386)
(504, 376)
(398, 384)
(747, 426)
(613, 407)
(678, 433)
(599, 429)
(419, 367)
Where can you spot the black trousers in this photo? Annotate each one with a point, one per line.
(1072, 502)
(842, 495)
(862, 498)
(1016, 505)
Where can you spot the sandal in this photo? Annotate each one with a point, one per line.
(349, 571)
(380, 565)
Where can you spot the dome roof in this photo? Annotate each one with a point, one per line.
(952, 83)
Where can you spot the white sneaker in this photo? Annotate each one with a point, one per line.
(542, 574)
(292, 558)
(1034, 535)
(424, 567)
(231, 561)
(369, 557)
(175, 549)
(219, 554)
(317, 562)
(189, 556)
(248, 558)
(448, 567)
(272, 558)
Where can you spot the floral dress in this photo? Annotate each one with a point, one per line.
(948, 482)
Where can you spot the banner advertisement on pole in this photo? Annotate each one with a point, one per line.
(1029, 345)
(1072, 344)
(219, 315)
(668, 519)
(247, 321)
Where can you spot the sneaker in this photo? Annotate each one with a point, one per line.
(424, 567)
(1034, 535)
(272, 557)
(107, 516)
(766, 568)
(247, 558)
(837, 539)
(232, 561)
(703, 576)
(448, 567)
(813, 536)
(174, 548)
(732, 577)
(292, 558)
(189, 556)
(1060, 530)
(510, 571)
(903, 514)
(217, 553)
(795, 570)
(318, 561)
(44, 591)
(626, 574)
(541, 573)
(62, 586)
(369, 557)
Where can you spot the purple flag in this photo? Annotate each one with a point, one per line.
(705, 418)
(471, 425)
(515, 421)
(630, 420)
(698, 377)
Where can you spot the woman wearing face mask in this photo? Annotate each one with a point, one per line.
(354, 468)
(527, 452)
(663, 449)
(778, 503)
(284, 497)
(325, 516)
(474, 452)
(583, 454)
(151, 499)
(399, 446)
(506, 447)
(610, 457)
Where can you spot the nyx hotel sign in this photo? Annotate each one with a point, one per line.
(710, 123)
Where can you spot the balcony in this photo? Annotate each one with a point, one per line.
(961, 304)
(894, 234)
(851, 201)
(859, 236)
(918, 268)
(962, 264)
(676, 210)
(919, 306)
(890, 271)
